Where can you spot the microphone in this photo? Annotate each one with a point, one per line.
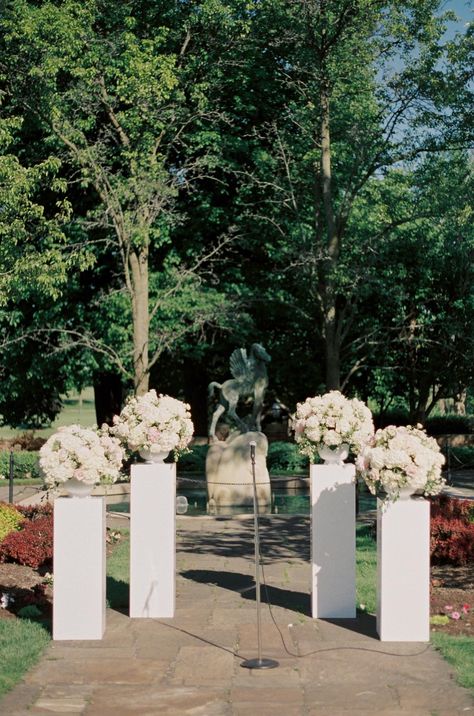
(253, 445)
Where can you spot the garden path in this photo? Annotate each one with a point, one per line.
(191, 664)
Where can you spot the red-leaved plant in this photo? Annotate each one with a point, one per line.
(452, 532)
(32, 545)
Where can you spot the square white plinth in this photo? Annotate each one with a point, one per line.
(79, 568)
(333, 541)
(153, 540)
(403, 570)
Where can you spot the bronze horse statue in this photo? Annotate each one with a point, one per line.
(250, 379)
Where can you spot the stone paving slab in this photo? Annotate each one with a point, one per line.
(192, 664)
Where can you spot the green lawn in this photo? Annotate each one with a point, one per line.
(21, 644)
(459, 651)
(77, 409)
(366, 570)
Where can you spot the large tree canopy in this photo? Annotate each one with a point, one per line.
(120, 93)
(231, 170)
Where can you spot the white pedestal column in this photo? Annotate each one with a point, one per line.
(79, 568)
(333, 541)
(403, 570)
(153, 540)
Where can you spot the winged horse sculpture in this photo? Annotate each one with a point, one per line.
(250, 379)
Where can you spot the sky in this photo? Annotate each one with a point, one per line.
(465, 11)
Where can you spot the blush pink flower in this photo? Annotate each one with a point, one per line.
(448, 608)
(455, 615)
(153, 435)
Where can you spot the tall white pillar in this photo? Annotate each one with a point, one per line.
(333, 541)
(153, 540)
(79, 568)
(403, 570)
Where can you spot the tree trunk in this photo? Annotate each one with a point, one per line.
(107, 397)
(141, 320)
(460, 403)
(333, 361)
(330, 328)
(195, 381)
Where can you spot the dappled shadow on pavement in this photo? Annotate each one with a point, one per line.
(245, 585)
(287, 538)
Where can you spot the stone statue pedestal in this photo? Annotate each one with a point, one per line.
(229, 472)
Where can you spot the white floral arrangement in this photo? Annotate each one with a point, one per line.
(402, 457)
(85, 454)
(330, 420)
(155, 423)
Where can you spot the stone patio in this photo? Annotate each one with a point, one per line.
(192, 664)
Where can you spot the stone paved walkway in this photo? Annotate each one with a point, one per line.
(192, 664)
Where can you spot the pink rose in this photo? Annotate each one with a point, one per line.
(455, 615)
(299, 427)
(153, 435)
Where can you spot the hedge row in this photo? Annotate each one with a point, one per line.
(436, 425)
(282, 457)
(25, 465)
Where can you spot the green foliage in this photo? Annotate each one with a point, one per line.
(34, 258)
(21, 645)
(25, 465)
(439, 620)
(10, 519)
(152, 131)
(449, 425)
(194, 461)
(460, 457)
(30, 611)
(285, 457)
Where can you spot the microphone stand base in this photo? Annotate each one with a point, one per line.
(260, 664)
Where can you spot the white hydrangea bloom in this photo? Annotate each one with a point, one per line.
(330, 420)
(402, 457)
(158, 423)
(83, 453)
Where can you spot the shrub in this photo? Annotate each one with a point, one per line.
(461, 457)
(33, 512)
(25, 465)
(194, 461)
(285, 457)
(448, 425)
(452, 532)
(452, 508)
(10, 519)
(282, 457)
(32, 545)
(397, 416)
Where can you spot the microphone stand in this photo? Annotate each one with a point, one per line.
(259, 662)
